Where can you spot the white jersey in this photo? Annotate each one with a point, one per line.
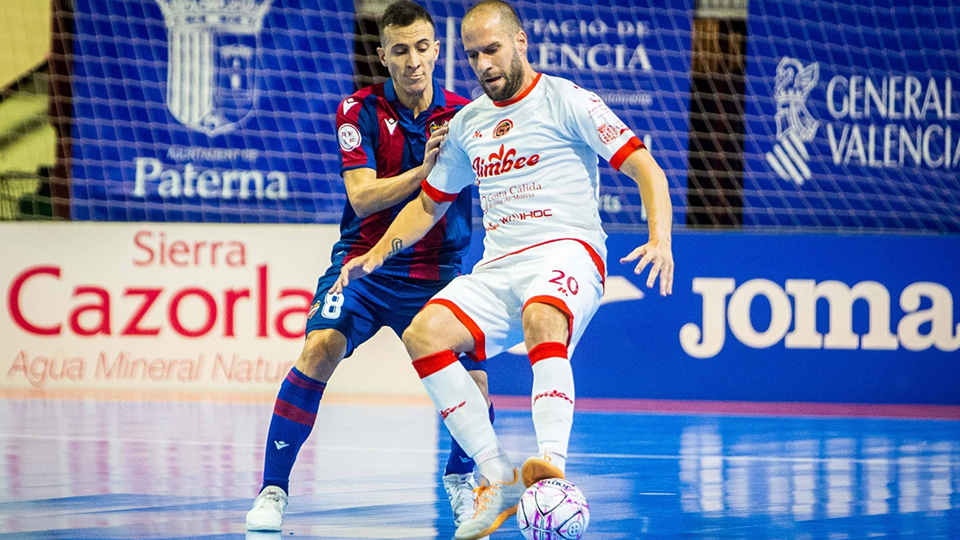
(535, 160)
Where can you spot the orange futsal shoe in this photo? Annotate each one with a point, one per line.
(539, 468)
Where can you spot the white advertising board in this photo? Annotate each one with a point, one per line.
(194, 308)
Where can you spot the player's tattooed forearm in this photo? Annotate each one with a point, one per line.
(397, 247)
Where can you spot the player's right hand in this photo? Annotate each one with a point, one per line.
(432, 150)
(659, 256)
(357, 268)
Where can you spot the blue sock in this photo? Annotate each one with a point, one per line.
(459, 462)
(293, 416)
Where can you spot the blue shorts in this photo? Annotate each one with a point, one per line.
(371, 303)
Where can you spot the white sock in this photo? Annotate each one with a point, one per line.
(552, 400)
(495, 466)
(464, 410)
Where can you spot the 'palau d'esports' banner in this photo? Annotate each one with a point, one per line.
(853, 115)
(192, 110)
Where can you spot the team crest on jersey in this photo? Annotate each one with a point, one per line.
(313, 310)
(437, 125)
(503, 128)
(607, 133)
(349, 137)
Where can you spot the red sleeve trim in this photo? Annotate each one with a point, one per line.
(436, 194)
(624, 152)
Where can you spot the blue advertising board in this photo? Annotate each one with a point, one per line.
(853, 115)
(635, 54)
(192, 110)
(774, 318)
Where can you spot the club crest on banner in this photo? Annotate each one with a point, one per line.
(212, 59)
(795, 124)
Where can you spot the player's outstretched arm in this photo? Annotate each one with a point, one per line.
(654, 191)
(369, 194)
(411, 224)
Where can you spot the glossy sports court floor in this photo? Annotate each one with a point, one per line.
(95, 469)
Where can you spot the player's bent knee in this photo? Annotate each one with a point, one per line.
(544, 322)
(435, 329)
(419, 337)
(322, 352)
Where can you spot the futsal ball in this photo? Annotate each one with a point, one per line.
(553, 509)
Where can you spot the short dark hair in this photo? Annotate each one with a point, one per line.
(404, 13)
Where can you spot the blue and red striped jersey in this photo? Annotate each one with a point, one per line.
(377, 131)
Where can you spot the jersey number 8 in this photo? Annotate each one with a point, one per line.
(332, 303)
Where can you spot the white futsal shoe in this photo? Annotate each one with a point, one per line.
(460, 490)
(267, 511)
(495, 503)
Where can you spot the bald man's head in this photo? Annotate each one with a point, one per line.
(490, 10)
(496, 46)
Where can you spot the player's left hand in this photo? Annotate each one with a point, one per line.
(432, 150)
(660, 256)
(357, 268)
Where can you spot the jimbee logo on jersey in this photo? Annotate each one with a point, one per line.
(502, 128)
(313, 310)
(502, 162)
(212, 48)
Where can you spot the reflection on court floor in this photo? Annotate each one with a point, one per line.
(87, 469)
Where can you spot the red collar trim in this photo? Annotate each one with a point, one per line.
(521, 96)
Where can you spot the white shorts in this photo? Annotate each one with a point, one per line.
(567, 274)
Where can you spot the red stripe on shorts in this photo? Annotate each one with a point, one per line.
(479, 340)
(557, 303)
(597, 259)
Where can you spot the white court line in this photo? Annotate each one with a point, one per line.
(908, 460)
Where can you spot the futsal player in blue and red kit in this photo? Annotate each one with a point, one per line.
(389, 136)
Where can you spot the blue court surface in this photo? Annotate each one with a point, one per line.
(92, 469)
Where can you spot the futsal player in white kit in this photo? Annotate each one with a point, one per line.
(531, 143)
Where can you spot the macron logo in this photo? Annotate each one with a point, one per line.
(281, 445)
(348, 104)
(391, 124)
(446, 412)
